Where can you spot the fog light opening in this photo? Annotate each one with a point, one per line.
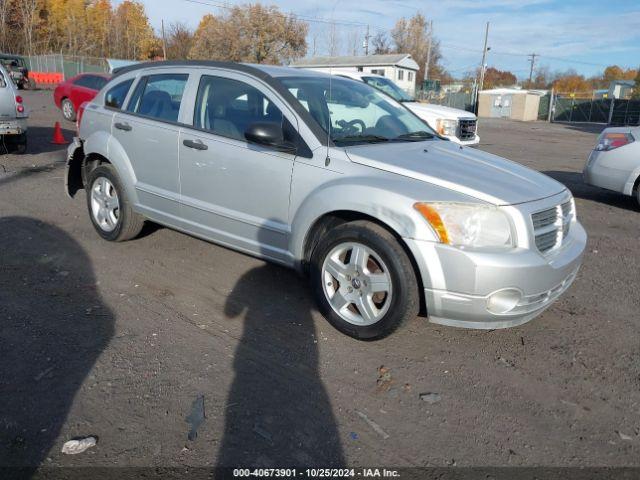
(503, 301)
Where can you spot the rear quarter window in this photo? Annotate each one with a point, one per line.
(116, 95)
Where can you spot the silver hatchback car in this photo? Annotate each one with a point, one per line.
(333, 178)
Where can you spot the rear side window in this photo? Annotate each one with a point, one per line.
(99, 82)
(116, 95)
(227, 107)
(159, 96)
(3, 84)
(86, 81)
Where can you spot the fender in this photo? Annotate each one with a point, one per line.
(631, 181)
(105, 145)
(355, 194)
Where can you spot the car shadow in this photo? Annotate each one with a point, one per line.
(53, 327)
(579, 189)
(38, 141)
(278, 411)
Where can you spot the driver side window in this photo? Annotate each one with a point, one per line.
(227, 107)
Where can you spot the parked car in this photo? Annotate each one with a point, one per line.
(13, 114)
(18, 71)
(457, 125)
(614, 163)
(71, 94)
(331, 177)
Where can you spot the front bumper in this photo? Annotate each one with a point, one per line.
(453, 138)
(15, 126)
(459, 283)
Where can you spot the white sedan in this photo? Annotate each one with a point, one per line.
(614, 163)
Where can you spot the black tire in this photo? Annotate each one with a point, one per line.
(20, 86)
(405, 301)
(68, 110)
(21, 144)
(129, 223)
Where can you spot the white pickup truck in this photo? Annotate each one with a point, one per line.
(457, 125)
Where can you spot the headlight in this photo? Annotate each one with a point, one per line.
(465, 225)
(447, 127)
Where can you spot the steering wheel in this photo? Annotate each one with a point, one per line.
(350, 127)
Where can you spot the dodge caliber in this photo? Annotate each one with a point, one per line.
(335, 179)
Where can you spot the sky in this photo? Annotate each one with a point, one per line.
(585, 35)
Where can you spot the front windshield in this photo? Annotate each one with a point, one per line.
(387, 86)
(353, 113)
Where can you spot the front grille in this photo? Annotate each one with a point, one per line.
(467, 129)
(552, 226)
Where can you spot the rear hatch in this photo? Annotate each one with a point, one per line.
(7, 98)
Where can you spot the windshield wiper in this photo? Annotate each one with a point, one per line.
(415, 136)
(362, 138)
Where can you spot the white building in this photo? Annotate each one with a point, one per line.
(399, 67)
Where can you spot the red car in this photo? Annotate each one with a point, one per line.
(72, 93)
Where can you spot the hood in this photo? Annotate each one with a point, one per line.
(439, 110)
(469, 171)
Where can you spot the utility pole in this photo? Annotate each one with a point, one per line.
(484, 58)
(532, 59)
(426, 67)
(365, 44)
(164, 41)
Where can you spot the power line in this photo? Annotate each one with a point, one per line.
(307, 18)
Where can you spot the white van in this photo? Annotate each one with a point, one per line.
(13, 114)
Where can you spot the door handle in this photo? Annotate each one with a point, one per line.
(195, 144)
(123, 126)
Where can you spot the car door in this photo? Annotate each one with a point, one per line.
(148, 131)
(232, 191)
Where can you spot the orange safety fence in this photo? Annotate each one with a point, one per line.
(47, 78)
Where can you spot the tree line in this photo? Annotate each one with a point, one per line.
(77, 27)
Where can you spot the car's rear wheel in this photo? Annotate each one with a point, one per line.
(68, 110)
(109, 208)
(364, 281)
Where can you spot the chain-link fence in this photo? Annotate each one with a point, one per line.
(575, 109)
(67, 65)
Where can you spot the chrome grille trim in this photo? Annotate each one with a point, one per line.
(467, 129)
(551, 226)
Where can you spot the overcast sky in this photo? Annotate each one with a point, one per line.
(581, 34)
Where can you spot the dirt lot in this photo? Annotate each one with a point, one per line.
(128, 341)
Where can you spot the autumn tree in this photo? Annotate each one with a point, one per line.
(250, 33)
(179, 41)
(133, 36)
(412, 36)
(572, 83)
(498, 78)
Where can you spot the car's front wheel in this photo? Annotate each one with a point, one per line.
(109, 208)
(68, 110)
(363, 280)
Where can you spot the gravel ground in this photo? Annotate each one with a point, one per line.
(142, 343)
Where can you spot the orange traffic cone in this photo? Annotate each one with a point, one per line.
(58, 137)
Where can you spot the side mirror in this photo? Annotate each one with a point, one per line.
(271, 135)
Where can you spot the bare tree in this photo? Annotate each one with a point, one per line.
(29, 14)
(380, 43)
(4, 24)
(333, 40)
(179, 41)
(354, 42)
